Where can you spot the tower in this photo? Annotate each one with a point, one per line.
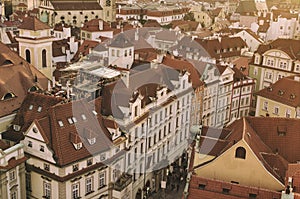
(109, 10)
(35, 44)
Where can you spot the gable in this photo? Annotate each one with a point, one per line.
(277, 53)
(35, 133)
(249, 171)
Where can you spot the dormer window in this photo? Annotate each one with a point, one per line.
(16, 127)
(280, 92)
(8, 96)
(74, 119)
(78, 146)
(39, 109)
(60, 123)
(83, 117)
(92, 141)
(34, 129)
(70, 121)
(94, 112)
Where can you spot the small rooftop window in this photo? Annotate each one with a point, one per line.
(60, 123)
(70, 121)
(74, 119)
(30, 107)
(83, 116)
(94, 112)
(8, 96)
(39, 109)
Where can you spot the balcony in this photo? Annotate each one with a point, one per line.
(124, 180)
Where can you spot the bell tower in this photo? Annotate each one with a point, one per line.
(35, 44)
(109, 10)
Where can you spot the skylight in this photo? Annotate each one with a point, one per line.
(83, 116)
(30, 107)
(60, 123)
(39, 109)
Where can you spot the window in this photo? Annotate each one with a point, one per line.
(13, 194)
(83, 117)
(44, 58)
(70, 121)
(60, 123)
(102, 157)
(89, 162)
(252, 195)
(276, 110)
(225, 191)
(240, 152)
(288, 113)
(101, 179)
(265, 106)
(75, 167)
(74, 119)
(42, 148)
(89, 185)
(75, 191)
(29, 144)
(47, 190)
(201, 186)
(27, 55)
(30, 107)
(12, 175)
(46, 167)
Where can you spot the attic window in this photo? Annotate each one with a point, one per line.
(270, 89)
(17, 127)
(280, 92)
(92, 141)
(30, 107)
(74, 119)
(35, 130)
(70, 121)
(33, 88)
(94, 112)
(83, 116)
(39, 109)
(281, 130)
(78, 146)
(252, 195)
(293, 96)
(60, 123)
(8, 96)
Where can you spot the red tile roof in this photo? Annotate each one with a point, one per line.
(33, 23)
(84, 48)
(16, 76)
(289, 46)
(285, 91)
(76, 5)
(214, 189)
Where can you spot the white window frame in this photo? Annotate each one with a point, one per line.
(102, 180)
(88, 185)
(47, 189)
(75, 191)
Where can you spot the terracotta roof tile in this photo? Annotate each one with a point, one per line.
(285, 91)
(33, 23)
(76, 5)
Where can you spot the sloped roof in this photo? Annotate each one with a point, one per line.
(60, 138)
(285, 91)
(33, 23)
(76, 5)
(121, 41)
(16, 76)
(265, 138)
(289, 46)
(246, 6)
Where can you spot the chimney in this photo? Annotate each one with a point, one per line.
(68, 89)
(63, 49)
(125, 78)
(136, 34)
(100, 24)
(53, 81)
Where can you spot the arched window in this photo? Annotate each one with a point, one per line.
(27, 54)
(8, 96)
(240, 152)
(44, 58)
